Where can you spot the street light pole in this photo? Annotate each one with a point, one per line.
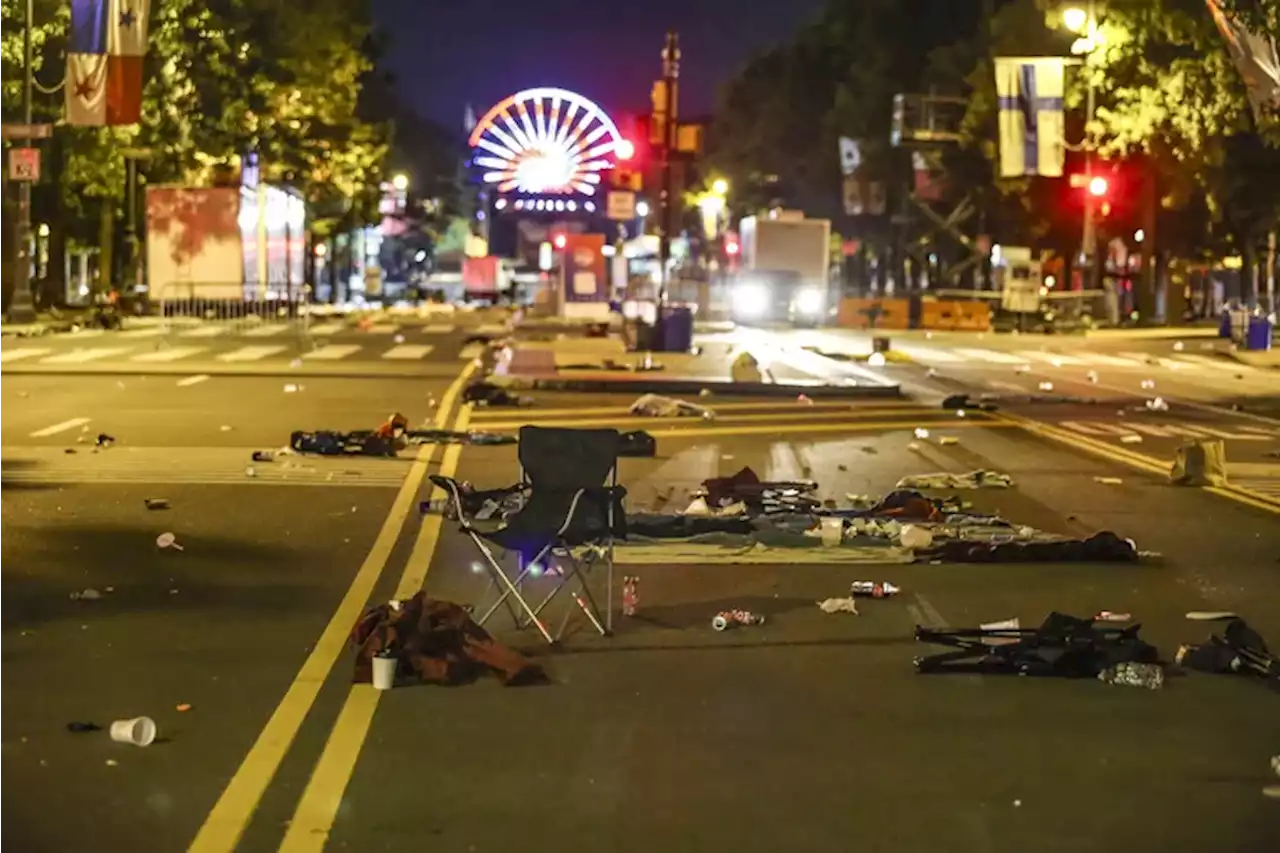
(20, 308)
(670, 75)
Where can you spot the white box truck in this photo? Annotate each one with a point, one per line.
(784, 275)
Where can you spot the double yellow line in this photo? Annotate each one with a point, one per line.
(314, 815)
(1133, 460)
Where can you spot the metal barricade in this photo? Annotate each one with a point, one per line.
(233, 308)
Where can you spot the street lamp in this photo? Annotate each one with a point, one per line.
(400, 181)
(642, 209)
(1075, 19)
(720, 186)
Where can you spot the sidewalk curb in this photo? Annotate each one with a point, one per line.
(596, 384)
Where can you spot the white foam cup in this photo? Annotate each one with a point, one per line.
(140, 731)
(384, 672)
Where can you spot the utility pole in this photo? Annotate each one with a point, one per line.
(20, 308)
(670, 75)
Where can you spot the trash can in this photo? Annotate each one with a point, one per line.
(1258, 337)
(1224, 325)
(677, 329)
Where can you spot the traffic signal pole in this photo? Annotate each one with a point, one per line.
(670, 75)
(20, 308)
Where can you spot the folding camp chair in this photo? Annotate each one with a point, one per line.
(568, 478)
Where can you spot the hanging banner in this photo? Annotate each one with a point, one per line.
(1257, 59)
(850, 155)
(1032, 131)
(106, 43)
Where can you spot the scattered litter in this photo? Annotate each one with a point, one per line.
(869, 449)
(1003, 625)
(876, 359)
(1092, 376)
(89, 594)
(156, 503)
(173, 591)
(1022, 368)
(77, 727)
(873, 589)
(226, 428)
(104, 441)
(1131, 438)
(630, 595)
(183, 707)
(964, 401)
(745, 368)
(291, 388)
(1134, 674)
(487, 394)
(978, 479)
(637, 444)
(398, 339)
(839, 605)
(1178, 346)
(915, 537)
(842, 467)
(168, 540)
(1108, 481)
(948, 440)
(139, 731)
(1112, 616)
(727, 619)
(69, 450)
(804, 400)
(250, 471)
(1157, 404)
(1200, 463)
(931, 372)
(111, 762)
(1017, 804)
(1147, 383)
(921, 432)
(657, 406)
(913, 446)
(705, 392)
(960, 413)
(1045, 386)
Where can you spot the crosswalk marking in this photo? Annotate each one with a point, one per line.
(188, 381)
(471, 351)
(203, 332)
(80, 355)
(252, 353)
(22, 352)
(383, 329)
(492, 329)
(152, 332)
(1054, 358)
(171, 354)
(263, 331)
(990, 355)
(332, 352)
(60, 427)
(1111, 360)
(327, 328)
(928, 355)
(408, 351)
(437, 329)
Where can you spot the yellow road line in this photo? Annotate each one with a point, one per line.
(641, 422)
(313, 818)
(858, 426)
(481, 415)
(1137, 460)
(225, 824)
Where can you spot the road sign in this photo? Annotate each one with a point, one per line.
(24, 164)
(27, 131)
(621, 205)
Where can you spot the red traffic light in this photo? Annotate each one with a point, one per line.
(625, 149)
(560, 241)
(1098, 186)
(731, 247)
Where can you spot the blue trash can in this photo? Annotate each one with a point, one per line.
(677, 330)
(1258, 337)
(1224, 325)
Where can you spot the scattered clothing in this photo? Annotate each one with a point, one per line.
(438, 643)
(637, 444)
(979, 479)
(747, 488)
(657, 406)
(487, 394)
(1200, 463)
(1104, 547)
(1237, 649)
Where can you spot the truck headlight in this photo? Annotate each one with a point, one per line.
(751, 300)
(810, 301)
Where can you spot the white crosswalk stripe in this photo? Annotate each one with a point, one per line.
(471, 351)
(20, 353)
(1269, 486)
(383, 329)
(80, 355)
(1210, 363)
(170, 354)
(252, 353)
(264, 331)
(438, 329)
(408, 351)
(152, 332)
(327, 328)
(1102, 360)
(929, 355)
(1057, 359)
(203, 332)
(990, 355)
(492, 329)
(332, 352)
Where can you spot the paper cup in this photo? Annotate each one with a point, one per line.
(832, 531)
(384, 673)
(140, 731)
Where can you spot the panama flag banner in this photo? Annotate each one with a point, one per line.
(106, 45)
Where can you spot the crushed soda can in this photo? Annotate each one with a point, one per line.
(630, 595)
(726, 619)
(1131, 674)
(875, 589)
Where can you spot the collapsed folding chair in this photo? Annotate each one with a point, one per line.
(571, 499)
(1062, 645)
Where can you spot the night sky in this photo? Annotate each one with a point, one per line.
(446, 53)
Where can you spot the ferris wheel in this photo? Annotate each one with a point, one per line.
(547, 140)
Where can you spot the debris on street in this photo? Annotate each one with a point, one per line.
(89, 594)
(139, 731)
(484, 393)
(727, 619)
(979, 479)
(839, 605)
(1237, 649)
(1200, 463)
(156, 503)
(168, 540)
(658, 406)
(873, 589)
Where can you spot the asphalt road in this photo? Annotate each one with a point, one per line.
(810, 733)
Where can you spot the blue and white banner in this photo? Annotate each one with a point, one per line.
(1032, 134)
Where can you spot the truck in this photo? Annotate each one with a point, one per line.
(783, 276)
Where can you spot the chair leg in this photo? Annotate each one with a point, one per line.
(511, 591)
(589, 606)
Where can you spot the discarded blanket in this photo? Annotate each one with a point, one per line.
(758, 495)
(979, 479)
(438, 643)
(1064, 646)
(657, 406)
(1104, 547)
(1237, 649)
